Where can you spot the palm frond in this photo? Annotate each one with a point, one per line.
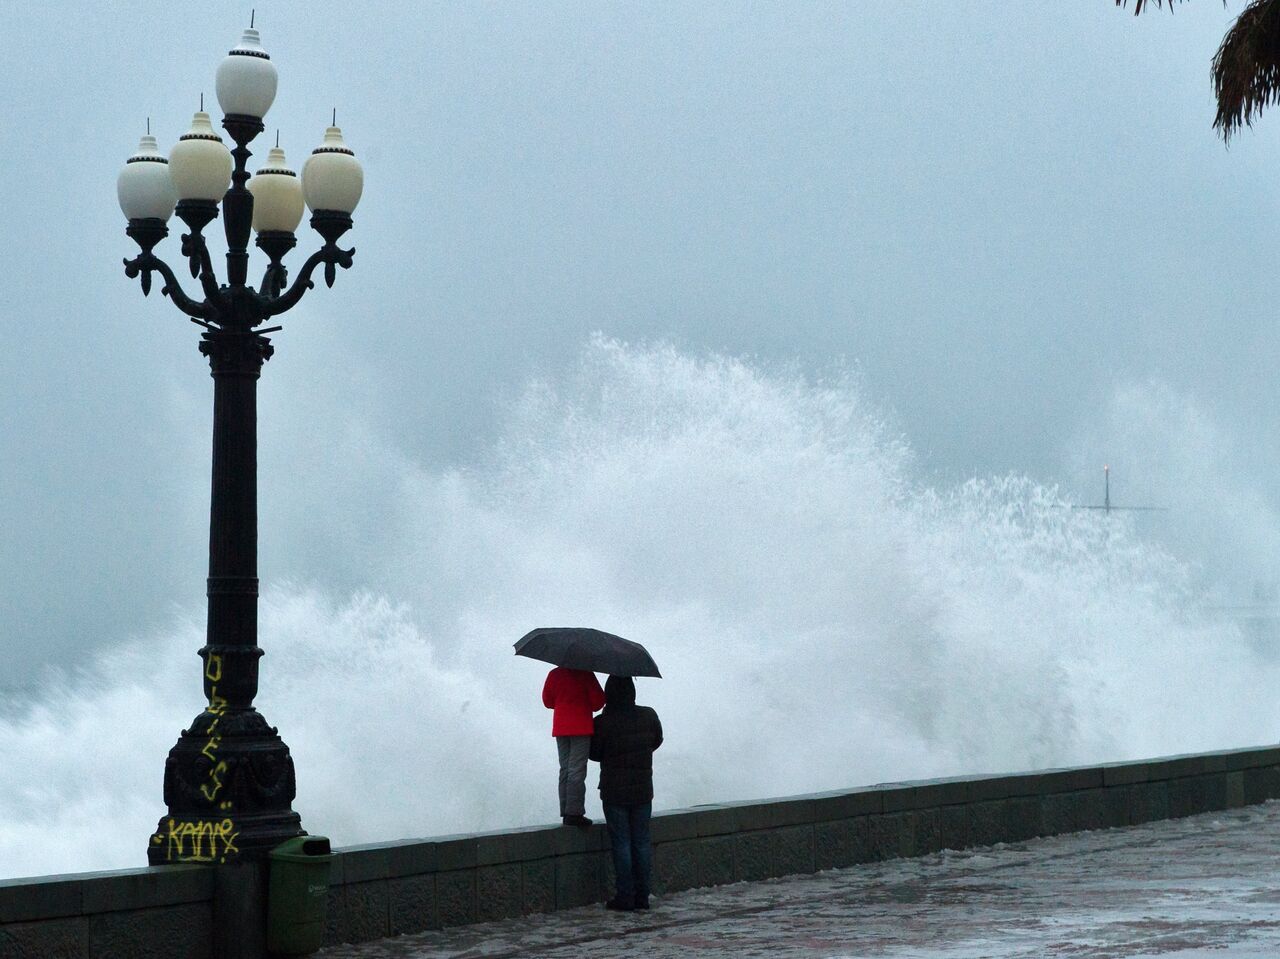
(1140, 5)
(1246, 68)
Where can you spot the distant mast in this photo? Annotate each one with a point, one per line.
(1106, 506)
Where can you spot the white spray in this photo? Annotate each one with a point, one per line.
(822, 618)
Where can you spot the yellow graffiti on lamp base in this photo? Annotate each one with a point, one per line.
(204, 840)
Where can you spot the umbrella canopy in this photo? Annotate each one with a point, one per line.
(590, 649)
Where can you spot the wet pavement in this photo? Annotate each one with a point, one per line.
(1207, 887)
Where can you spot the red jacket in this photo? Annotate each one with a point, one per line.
(574, 694)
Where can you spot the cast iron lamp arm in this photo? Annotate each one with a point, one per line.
(147, 262)
(196, 250)
(274, 278)
(330, 255)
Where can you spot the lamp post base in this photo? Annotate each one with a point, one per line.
(229, 785)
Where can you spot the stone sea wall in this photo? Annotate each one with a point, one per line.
(388, 889)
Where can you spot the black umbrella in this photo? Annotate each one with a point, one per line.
(590, 649)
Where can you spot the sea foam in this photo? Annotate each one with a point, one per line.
(823, 615)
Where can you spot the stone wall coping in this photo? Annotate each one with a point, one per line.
(89, 893)
(463, 851)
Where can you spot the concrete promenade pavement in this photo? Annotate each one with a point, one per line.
(1205, 887)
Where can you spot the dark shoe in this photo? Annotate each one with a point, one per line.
(618, 904)
(577, 821)
(642, 902)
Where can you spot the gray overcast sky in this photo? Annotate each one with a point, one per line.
(1004, 214)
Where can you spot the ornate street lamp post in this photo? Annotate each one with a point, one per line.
(229, 781)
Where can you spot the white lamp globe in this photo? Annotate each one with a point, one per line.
(144, 187)
(246, 78)
(277, 195)
(332, 178)
(200, 163)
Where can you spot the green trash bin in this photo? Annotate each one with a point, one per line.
(298, 895)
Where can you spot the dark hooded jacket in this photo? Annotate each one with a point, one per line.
(623, 743)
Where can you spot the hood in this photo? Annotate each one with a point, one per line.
(619, 691)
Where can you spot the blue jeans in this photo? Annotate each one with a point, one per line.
(632, 854)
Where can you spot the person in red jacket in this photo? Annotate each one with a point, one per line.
(573, 694)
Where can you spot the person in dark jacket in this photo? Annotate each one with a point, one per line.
(574, 694)
(623, 743)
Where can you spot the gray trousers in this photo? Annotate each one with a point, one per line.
(573, 774)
